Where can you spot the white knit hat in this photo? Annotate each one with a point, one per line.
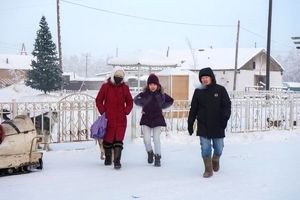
(119, 73)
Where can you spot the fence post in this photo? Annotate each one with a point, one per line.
(14, 109)
(291, 111)
(247, 114)
(133, 123)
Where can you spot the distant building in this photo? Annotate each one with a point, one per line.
(138, 66)
(179, 83)
(251, 67)
(292, 86)
(74, 82)
(13, 68)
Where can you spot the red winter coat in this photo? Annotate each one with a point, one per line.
(116, 101)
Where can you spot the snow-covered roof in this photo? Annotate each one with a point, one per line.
(217, 59)
(176, 71)
(292, 84)
(103, 73)
(131, 77)
(148, 59)
(75, 77)
(10, 61)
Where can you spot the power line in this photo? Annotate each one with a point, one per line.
(9, 44)
(146, 18)
(10, 48)
(256, 34)
(168, 21)
(5, 45)
(263, 37)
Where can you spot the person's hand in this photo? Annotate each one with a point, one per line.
(190, 129)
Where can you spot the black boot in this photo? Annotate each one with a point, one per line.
(150, 157)
(118, 147)
(157, 160)
(107, 160)
(107, 151)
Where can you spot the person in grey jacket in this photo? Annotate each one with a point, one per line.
(211, 106)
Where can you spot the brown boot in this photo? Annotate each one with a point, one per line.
(208, 167)
(216, 163)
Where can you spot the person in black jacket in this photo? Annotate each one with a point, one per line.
(153, 100)
(211, 106)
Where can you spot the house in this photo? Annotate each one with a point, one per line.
(13, 68)
(251, 66)
(73, 82)
(141, 64)
(178, 82)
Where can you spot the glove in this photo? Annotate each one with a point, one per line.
(190, 129)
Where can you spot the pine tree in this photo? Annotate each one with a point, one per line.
(46, 74)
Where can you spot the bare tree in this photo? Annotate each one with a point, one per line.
(291, 65)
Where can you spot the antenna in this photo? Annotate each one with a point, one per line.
(23, 50)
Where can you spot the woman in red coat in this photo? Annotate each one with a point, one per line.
(115, 100)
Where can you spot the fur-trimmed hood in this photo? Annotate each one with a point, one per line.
(207, 72)
(115, 70)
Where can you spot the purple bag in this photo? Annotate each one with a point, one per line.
(98, 128)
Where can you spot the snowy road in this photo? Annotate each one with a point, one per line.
(263, 166)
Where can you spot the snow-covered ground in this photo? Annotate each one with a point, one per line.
(20, 92)
(262, 166)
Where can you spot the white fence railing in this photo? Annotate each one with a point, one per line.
(69, 118)
(75, 113)
(251, 111)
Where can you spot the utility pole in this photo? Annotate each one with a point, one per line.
(86, 64)
(236, 55)
(168, 51)
(268, 47)
(58, 35)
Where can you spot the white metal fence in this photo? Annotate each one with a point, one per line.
(74, 114)
(251, 111)
(260, 111)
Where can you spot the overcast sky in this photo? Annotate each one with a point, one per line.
(93, 28)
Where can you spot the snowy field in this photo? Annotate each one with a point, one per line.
(263, 166)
